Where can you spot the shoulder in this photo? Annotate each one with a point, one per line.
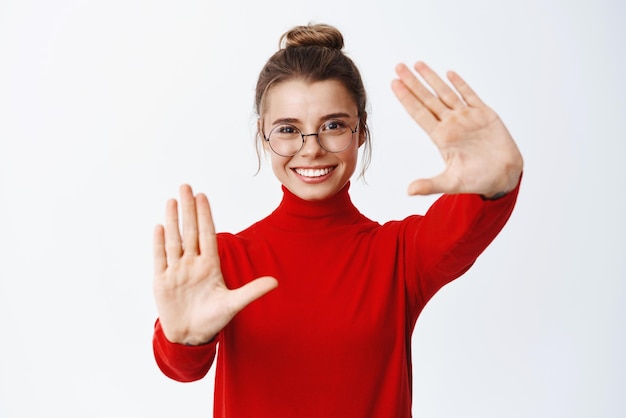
(241, 239)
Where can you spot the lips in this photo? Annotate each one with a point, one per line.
(313, 172)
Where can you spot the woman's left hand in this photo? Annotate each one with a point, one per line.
(480, 154)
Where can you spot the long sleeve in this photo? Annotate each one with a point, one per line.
(180, 362)
(449, 238)
(345, 282)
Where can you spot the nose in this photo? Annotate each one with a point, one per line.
(311, 146)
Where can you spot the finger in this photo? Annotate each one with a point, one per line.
(251, 291)
(414, 107)
(425, 96)
(160, 259)
(470, 97)
(206, 227)
(173, 247)
(445, 93)
(190, 222)
(421, 187)
(433, 185)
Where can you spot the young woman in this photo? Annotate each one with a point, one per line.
(312, 308)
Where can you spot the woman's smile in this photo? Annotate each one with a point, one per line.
(313, 174)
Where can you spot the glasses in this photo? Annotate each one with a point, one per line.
(334, 135)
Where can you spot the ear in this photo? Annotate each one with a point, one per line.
(362, 129)
(259, 134)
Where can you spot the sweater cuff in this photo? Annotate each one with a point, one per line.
(184, 363)
(503, 196)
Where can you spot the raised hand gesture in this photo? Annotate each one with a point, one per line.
(480, 154)
(192, 300)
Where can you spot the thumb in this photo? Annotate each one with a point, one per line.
(442, 183)
(250, 292)
(422, 187)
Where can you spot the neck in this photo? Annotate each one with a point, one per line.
(295, 213)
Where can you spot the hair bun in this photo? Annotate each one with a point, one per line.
(312, 35)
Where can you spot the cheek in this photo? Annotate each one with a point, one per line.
(351, 157)
(278, 163)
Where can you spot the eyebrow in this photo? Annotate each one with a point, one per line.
(323, 118)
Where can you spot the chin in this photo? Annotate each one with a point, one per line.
(314, 192)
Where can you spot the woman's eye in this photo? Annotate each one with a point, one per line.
(286, 129)
(333, 125)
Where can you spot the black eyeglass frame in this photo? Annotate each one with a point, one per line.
(316, 135)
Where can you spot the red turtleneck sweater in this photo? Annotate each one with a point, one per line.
(334, 339)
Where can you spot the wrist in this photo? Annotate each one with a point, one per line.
(198, 342)
(514, 180)
(494, 196)
(184, 337)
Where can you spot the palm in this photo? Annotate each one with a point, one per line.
(192, 299)
(480, 154)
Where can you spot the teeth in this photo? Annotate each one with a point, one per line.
(309, 172)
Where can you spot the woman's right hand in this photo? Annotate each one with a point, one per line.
(192, 299)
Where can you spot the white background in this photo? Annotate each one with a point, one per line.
(107, 106)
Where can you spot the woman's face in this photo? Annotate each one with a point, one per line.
(313, 173)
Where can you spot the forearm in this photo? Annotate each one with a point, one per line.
(454, 232)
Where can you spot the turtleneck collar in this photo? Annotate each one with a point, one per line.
(295, 213)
